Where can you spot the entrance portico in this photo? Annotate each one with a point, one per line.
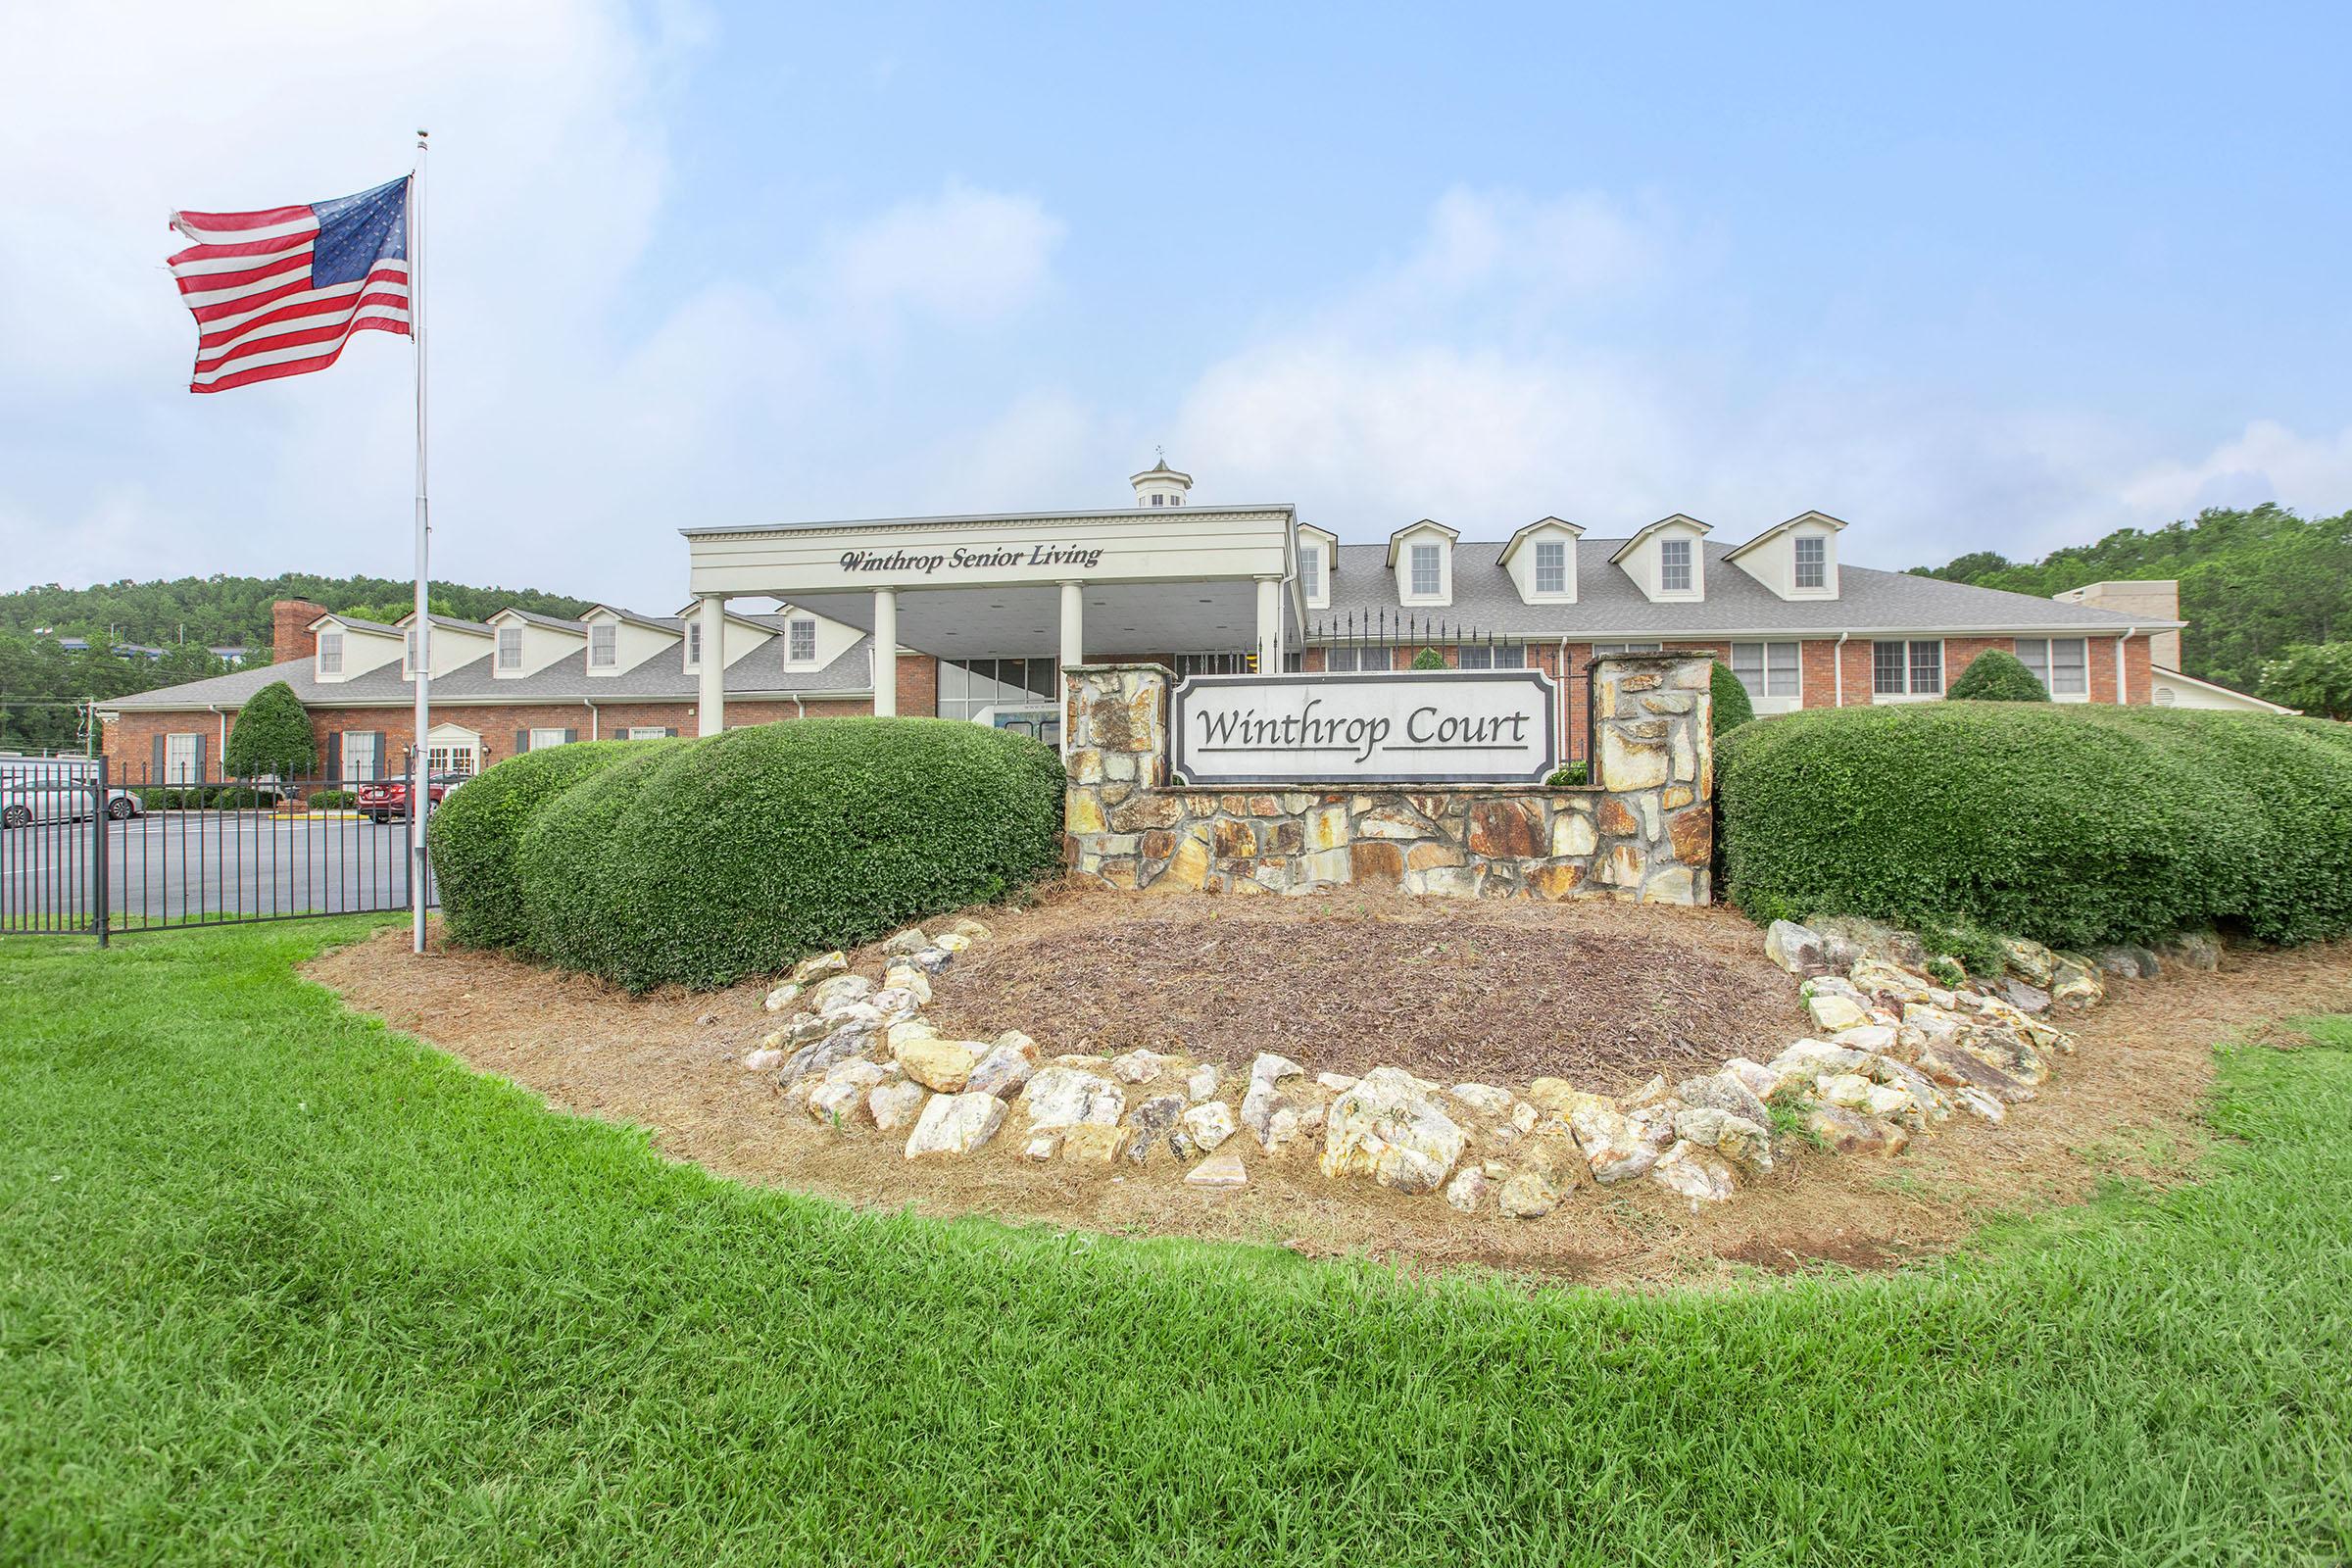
(1081, 586)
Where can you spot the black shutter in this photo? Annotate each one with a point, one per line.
(334, 757)
(671, 731)
(523, 741)
(379, 754)
(157, 776)
(200, 773)
(570, 735)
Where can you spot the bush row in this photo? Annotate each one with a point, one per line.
(2073, 825)
(197, 797)
(703, 862)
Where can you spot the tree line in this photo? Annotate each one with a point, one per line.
(2266, 595)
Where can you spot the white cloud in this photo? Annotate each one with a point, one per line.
(2266, 463)
(964, 256)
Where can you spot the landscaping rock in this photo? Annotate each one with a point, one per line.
(1484, 1099)
(2023, 998)
(896, 1106)
(1041, 1147)
(1065, 1097)
(1549, 1148)
(1149, 1126)
(1696, 1173)
(1724, 1092)
(1273, 1069)
(1735, 1137)
(1092, 1143)
(2198, 950)
(1615, 1147)
(956, 1124)
(2030, 961)
(1950, 1064)
(784, 995)
(1467, 1189)
(2130, 962)
(1831, 1013)
(969, 929)
(1002, 1071)
(1527, 1195)
(1983, 1105)
(1223, 1170)
(944, 1066)
(950, 943)
(820, 966)
(1390, 1127)
(1794, 948)
(2075, 984)
(1206, 1126)
(1847, 938)
(1203, 1083)
(1851, 1132)
(1756, 1078)
(907, 943)
(909, 979)
(764, 1059)
(1138, 1066)
(841, 991)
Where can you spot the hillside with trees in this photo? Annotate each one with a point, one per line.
(2256, 586)
(44, 687)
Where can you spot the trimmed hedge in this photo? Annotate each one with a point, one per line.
(473, 834)
(703, 862)
(271, 736)
(339, 801)
(1728, 699)
(2075, 826)
(1995, 676)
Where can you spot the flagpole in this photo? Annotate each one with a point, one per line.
(421, 782)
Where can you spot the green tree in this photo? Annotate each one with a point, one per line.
(1732, 706)
(1429, 659)
(391, 612)
(2318, 679)
(271, 735)
(1994, 676)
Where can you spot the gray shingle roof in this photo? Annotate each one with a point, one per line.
(1610, 607)
(660, 678)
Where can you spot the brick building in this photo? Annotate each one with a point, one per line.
(974, 617)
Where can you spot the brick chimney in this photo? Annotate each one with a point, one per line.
(290, 637)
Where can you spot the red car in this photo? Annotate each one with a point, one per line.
(388, 798)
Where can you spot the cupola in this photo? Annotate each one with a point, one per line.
(1160, 485)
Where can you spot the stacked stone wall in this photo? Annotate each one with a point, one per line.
(1644, 830)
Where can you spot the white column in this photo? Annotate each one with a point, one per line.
(1269, 625)
(886, 652)
(711, 707)
(1073, 627)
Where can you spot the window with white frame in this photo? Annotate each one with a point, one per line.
(542, 739)
(509, 648)
(1354, 658)
(1490, 656)
(2061, 664)
(644, 732)
(604, 645)
(1768, 669)
(1674, 566)
(1599, 649)
(975, 687)
(800, 640)
(1552, 565)
(330, 652)
(461, 758)
(1214, 664)
(1423, 571)
(1907, 668)
(694, 643)
(179, 760)
(1310, 572)
(1812, 561)
(360, 763)
(408, 653)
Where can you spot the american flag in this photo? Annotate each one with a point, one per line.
(279, 292)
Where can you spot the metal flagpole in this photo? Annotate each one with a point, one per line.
(420, 783)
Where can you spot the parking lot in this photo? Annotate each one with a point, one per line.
(169, 868)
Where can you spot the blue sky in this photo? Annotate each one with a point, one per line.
(2001, 278)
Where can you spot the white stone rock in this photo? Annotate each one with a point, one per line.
(1527, 1195)
(1203, 1083)
(1060, 1097)
(1467, 1189)
(1524, 1117)
(1615, 1147)
(1871, 1037)
(1794, 948)
(1002, 1071)
(952, 942)
(835, 1102)
(1221, 1169)
(1208, 1125)
(766, 1060)
(1484, 1099)
(820, 967)
(1848, 1089)
(1833, 1012)
(935, 1063)
(909, 979)
(1273, 1069)
(1696, 1173)
(895, 1105)
(1982, 1104)
(904, 1029)
(1338, 1083)
(1390, 1128)
(1760, 1081)
(956, 1124)
(970, 929)
(1044, 1147)
(784, 995)
(908, 942)
(1137, 1066)
(894, 1004)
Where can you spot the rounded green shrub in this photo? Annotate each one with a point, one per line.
(1729, 698)
(701, 862)
(2076, 826)
(344, 801)
(1429, 659)
(1994, 676)
(271, 735)
(1570, 775)
(472, 837)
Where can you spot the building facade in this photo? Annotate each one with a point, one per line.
(975, 616)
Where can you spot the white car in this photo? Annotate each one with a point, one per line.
(37, 790)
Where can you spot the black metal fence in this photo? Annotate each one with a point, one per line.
(90, 849)
(1378, 640)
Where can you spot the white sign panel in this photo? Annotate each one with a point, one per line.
(1428, 728)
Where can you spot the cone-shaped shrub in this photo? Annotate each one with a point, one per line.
(1994, 676)
(271, 735)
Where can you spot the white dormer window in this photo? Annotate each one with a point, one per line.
(1310, 572)
(694, 643)
(330, 652)
(1425, 569)
(604, 645)
(407, 653)
(1812, 561)
(509, 648)
(1674, 566)
(1552, 567)
(800, 640)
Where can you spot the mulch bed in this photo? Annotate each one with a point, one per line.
(1600, 993)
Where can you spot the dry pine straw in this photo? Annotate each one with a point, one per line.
(1343, 982)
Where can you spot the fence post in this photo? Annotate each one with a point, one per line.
(100, 908)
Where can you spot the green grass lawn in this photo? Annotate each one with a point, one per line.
(278, 1284)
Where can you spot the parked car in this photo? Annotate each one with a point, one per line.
(387, 800)
(40, 790)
